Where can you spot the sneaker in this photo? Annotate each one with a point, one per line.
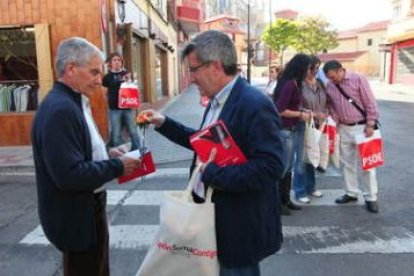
(304, 199)
(317, 193)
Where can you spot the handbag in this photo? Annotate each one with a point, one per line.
(185, 243)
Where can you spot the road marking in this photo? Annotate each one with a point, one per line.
(144, 197)
(114, 197)
(168, 172)
(298, 239)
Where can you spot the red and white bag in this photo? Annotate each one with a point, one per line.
(330, 129)
(128, 96)
(370, 150)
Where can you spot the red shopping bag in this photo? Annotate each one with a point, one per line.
(330, 129)
(370, 150)
(147, 166)
(128, 96)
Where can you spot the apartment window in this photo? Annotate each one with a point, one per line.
(369, 42)
(396, 9)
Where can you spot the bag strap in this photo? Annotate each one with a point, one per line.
(187, 195)
(351, 101)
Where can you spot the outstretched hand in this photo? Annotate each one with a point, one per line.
(152, 116)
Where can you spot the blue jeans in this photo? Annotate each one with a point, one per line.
(288, 138)
(303, 173)
(124, 117)
(253, 270)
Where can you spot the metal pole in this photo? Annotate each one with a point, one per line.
(270, 24)
(249, 51)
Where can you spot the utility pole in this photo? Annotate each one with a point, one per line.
(249, 50)
(270, 24)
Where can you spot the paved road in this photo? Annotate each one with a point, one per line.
(322, 239)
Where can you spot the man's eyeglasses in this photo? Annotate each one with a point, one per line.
(195, 69)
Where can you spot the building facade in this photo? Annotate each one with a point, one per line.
(400, 43)
(148, 33)
(358, 49)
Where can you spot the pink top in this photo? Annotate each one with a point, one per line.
(358, 88)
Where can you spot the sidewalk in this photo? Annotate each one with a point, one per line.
(186, 109)
(183, 107)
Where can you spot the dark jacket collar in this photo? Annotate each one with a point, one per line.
(62, 87)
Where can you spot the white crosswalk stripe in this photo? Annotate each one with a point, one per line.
(328, 239)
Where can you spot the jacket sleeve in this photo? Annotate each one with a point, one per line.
(260, 127)
(176, 132)
(63, 150)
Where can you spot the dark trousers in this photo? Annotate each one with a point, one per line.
(284, 188)
(94, 262)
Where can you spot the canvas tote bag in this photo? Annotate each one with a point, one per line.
(185, 243)
(311, 150)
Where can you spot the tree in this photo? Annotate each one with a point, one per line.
(280, 35)
(314, 36)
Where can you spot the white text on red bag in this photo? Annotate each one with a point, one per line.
(128, 96)
(370, 150)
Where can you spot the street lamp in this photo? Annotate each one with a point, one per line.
(249, 50)
(121, 9)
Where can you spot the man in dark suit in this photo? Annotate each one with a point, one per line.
(248, 226)
(72, 165)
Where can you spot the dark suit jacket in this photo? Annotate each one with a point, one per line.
(65, 173)
(246, 196)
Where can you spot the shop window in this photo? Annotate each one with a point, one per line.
(137, 65)
(18, 69)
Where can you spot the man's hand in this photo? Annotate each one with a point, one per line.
(116, 152)
(153, 117)
(130, 164)
(368, 130)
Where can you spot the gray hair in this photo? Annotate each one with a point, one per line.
(214, 45)
(77, 50)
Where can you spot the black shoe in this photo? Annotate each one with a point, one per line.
(284, 210)
(320, 169)
(372, 206)
(345, 199)
(293, 206)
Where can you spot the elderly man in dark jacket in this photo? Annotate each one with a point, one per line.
(248, 226)
(72, 165)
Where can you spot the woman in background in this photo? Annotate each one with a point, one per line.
(289, 101)
(315, 101)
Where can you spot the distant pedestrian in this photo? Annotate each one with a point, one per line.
(72, 164)
(289, 101)
(271, 85)
(246, 198)
(354, 108)
(119, 117)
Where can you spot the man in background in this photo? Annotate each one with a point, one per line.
(353, 107)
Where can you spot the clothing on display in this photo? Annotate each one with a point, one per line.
(17, 97)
